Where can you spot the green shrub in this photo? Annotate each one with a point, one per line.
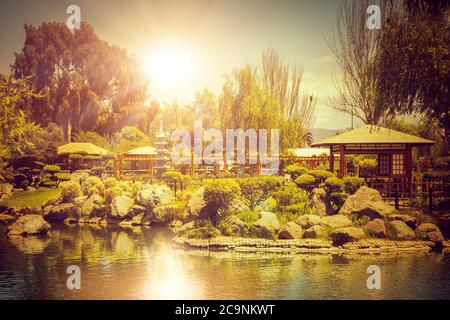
(219, 194)
(297, 208)
(320, 175)
(289, 195)
(306, 182)
(334, 184)
(257, 189)
(92, 185)
(352, 184)
(295, 170)
(248, 216)
(110, 182)
(70, 191)
(97, 171)
(337, 199)
(110, 193)
(63, 176)
(52, 169)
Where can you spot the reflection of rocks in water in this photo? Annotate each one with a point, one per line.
(30, 245)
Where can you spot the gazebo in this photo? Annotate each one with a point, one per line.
(393, 150)
(82, 155)
(136, 161)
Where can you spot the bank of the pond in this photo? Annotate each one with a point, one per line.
(307, 245)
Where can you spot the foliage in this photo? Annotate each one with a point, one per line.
(337, 199)
(92, 185)
(352, 184)
(367, 165)
(219, 194)
(306, 182)
(248, 216)
(295, 170)
(17, 132)
(70, 190)
(110, 182)
(257, 189)
(92, 137)
(97, 171)
(320, 175)
(129, 138)
(334, 184)
(290, 195)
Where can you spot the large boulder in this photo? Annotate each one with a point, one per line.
(344, 235)
(291, 231)
(79, 176)
(121, 207)
(59, 212)
(32, 224)
(6, 189)
(6, 218)
(152, 196)
(308, 220)
(196, 204)
(141, 219)
(238, 227)
(167, 213)
(429, 232)
(398, 230)
(315, 232)
(409, 220)
(320, 203)
(336, 221)
(376, 228)
(266, 226)
(93, 206)
(366, 202)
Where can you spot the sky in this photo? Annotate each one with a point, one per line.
(186, 45)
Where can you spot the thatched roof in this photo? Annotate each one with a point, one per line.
(310, 152)
(81, 147)
(372, 134)
(147, 150)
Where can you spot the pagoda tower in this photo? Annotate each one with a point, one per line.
(162, 153)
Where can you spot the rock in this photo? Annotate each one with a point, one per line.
(21, 211)
(78, 201)
(196, 204)
(409, 220)
(429, 232)
(308, 220)
(6, 188)
(79, 176)
(366, 202)
(291, 231)
(175, 224)
(6, 218)
(137, 209)
(121, 207)
(51, 202)
(32, 224)
(187, 226)
(266, 226)
(152, 196)
(344, 235)
(376, 210)
(93, 206)
(336, 221)
(167, 213)
(320, 203)
(238, 227)
(315, 232)
(236, 206)
(398, 230)
(376, 228)
(59, 212)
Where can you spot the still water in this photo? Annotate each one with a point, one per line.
(138, 263)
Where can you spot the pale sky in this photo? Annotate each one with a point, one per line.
(203, 40)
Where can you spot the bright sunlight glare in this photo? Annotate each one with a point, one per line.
(170, 68)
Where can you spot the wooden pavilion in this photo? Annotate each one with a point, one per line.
(392, 148)
(137, 161)
(81, 155)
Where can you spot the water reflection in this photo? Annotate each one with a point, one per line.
(141, 263)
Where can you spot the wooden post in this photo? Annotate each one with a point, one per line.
(408, 167)
(331, 159)
(150, 167)
(342, 169)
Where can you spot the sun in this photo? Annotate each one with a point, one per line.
(170, 67)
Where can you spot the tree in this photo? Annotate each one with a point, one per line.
(86, 83)
(258, 189)
(17, 132)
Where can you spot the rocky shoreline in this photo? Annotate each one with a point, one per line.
(307, 245)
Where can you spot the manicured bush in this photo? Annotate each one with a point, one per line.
(110, 193)
(70, 190)
(219, 194)
(352, 184)
(227, 174)
(306, 182)
(289, 195)
(320, 175)
(334, 184)
(92, 185)
(248, 216)
(295, 170)
(110, 182)
(257, 189)
(52, 169)
(97, 171)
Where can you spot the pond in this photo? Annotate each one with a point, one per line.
(138, 263)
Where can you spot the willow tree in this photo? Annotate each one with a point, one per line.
(268, 97)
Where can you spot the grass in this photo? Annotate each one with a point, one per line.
(34, 199)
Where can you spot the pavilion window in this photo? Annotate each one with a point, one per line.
(398, 164)
(384, 164)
